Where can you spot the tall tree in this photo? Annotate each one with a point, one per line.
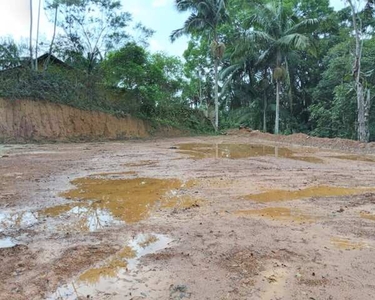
(363, 96)
(31, 34)
(282, 32)
(91, 28)
(54, 5)
(205, 18)
(37, 36)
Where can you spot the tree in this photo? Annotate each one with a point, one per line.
(10, 54)
(54, 5)
(153, 79)
(31, 34)
(363, 95)
(282, 33)
(91, 28)
(37, 36)
(205, 18)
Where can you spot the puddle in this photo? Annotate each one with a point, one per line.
(316, 191)
(17, 220)
(98, 203)
(347, 244)
(6, 243)
(368, 216)
(90, 217)
(128, 200)
(117, 274)
(277, 213)
(355, 157)
(238, 151)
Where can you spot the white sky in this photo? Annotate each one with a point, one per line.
(160, 15)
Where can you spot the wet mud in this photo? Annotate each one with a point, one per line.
(190, 218)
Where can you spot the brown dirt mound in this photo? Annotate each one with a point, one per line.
(306, 140)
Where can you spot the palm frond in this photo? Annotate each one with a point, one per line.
(304, 26)
(295, 40)
(256, 35)
(193, 24)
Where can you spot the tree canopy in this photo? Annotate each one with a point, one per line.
(278, 66)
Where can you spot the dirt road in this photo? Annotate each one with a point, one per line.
(227, 217)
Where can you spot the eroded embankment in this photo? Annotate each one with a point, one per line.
(26, 120)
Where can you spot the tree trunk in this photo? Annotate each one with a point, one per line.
(216, 95)
(264, 112)
(363, 130)
(37, 37)
(290, 95)
(52, 41)
(362, 105)
(31, 34)
(277, 118)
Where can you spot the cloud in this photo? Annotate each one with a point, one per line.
(155, 46)
(162, 3)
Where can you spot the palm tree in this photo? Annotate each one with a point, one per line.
(282, 33)
(205, 18)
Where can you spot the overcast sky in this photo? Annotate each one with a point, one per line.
(160, 15)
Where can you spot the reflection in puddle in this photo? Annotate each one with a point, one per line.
(316, 191)
(347, 244)
(89, 219)
(128, 200)
(237, 151)
(109, 269)
(355, 157)
(277, 213)
(99, 202)
(368, 216)
(6, 243)
(17, 220)
(115, 275)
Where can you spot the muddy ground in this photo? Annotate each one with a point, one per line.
(228, 217)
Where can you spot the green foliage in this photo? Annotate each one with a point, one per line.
(333, 112)
(303, 47)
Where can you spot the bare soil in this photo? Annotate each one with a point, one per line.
(218, 240)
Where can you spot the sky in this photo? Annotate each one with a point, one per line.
(159, 15)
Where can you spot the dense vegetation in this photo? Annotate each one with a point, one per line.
(277, 66)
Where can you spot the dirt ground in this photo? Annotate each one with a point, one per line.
(242, 216)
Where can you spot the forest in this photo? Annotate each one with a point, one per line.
(290, 66)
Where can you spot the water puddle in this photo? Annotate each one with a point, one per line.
(238, 151)
(117, 274)
(128, 200)
(368, 216)
(316, 192)
(90, 217)
(6, 242)
(347, 244)
(355, 158)
(277, 213)
(101, 200)
(17, 220)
